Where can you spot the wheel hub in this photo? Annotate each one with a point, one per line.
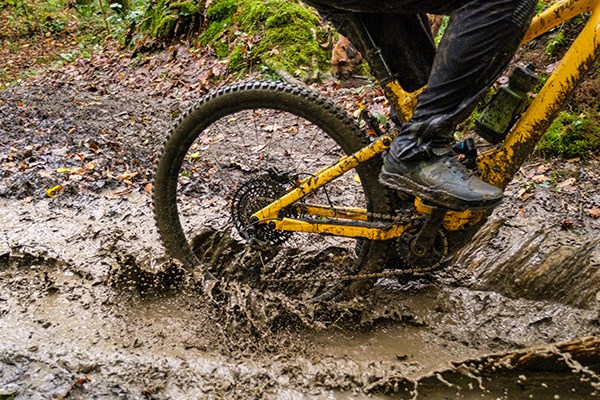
(254, 195)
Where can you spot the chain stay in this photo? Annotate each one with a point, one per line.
(375, 275)
(402, 219)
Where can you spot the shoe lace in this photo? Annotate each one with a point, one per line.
(456, 165)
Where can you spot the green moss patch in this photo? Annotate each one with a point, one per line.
(167, 19)
(267, 35)
(570, 136)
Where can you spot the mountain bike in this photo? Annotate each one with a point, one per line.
(296, 178)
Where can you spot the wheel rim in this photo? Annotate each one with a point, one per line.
(242, 146)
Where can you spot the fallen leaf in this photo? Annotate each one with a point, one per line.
(526, 196)
(539, 178)
(127, 176)
(53, 191)
(593, 212)
(122, 192)
(567, 182)
(569, 188)
(78, 171)
(542, 169)
(567, 224)
(63, 170)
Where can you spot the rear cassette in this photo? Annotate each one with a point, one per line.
(251, 197)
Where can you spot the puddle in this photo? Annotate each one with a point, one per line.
(91, 308)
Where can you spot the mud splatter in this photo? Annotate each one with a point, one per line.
(90, 306)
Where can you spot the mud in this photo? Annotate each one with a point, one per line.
(90, 307)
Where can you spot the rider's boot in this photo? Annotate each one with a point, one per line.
(433, 172)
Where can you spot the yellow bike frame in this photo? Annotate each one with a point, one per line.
(498, 166)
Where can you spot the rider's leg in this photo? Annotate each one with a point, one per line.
(405, 41)
(406, 45)
(479, 42)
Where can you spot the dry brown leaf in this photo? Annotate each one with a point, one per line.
(593, 212)
(526, 196)
(567, 182)
(540, 178)
(567, 224)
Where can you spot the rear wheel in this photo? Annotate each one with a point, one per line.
(245, 145)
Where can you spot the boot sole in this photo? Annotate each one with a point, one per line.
(441, 199)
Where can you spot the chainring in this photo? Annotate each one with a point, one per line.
(252, 196)
(421, 257)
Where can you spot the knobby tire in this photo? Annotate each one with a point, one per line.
(182, 161)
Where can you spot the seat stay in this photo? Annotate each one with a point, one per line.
(312, 183)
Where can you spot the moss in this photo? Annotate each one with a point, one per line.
(164, 26)
(237, 60)
(570, 136)
(289, 35)
(220, 10)
(251, 33)
(187, 8)
(167, 19)
(555, 44)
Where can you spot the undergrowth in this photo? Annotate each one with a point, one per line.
(256, 35)
(570, 136)
(249, 36)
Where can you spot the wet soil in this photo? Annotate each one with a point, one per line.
(91, 308)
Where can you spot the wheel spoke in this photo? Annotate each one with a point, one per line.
(225, 178)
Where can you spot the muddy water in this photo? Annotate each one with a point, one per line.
(85, 312)
(90, 308)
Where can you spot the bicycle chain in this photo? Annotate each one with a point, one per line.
(403, 220)
(374, 275)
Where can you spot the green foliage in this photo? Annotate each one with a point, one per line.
(540, 6)
(441, 30)
(278, 34)
(167, 19)
(221, 10)
(555, 44)
(570, 136)
(26, 18)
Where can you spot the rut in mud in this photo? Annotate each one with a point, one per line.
(89, 305)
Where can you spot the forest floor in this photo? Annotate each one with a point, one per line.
(85, 311)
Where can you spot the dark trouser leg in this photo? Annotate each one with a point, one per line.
(479, 42)
(404, 39)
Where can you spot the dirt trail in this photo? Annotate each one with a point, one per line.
(72, 324)
(87, 309)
